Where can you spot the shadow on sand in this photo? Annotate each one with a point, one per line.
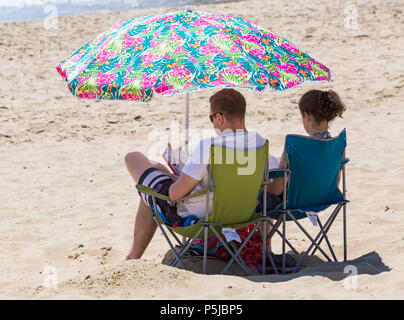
(370, 263)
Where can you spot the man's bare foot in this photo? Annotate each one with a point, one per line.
(126, 258)
(130, 256)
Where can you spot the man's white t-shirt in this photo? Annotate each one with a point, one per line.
(197, 167)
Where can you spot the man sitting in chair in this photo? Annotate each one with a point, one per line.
(227, 113)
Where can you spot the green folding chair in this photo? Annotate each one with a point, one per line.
(310, 186)
(235, 183)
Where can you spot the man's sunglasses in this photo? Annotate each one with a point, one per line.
(214, 115)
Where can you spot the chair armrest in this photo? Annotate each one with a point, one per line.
(150, 191)
(265, 183)
(192, 195)
(344, 162)
(277, 173)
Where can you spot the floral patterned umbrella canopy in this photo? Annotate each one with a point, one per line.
(182, 52)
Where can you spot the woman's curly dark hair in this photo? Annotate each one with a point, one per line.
(323, 105)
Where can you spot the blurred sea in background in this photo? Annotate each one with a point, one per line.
(20, 10)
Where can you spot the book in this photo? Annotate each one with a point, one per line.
(175, 159)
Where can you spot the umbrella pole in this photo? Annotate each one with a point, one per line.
(188, 8)
(186, 122)
(186, 132)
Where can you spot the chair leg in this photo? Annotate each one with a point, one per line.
(240, 259)
(264, 247)
(185, 248)
(235, 256)
(313, 242)
(169, 243)
(275, 228)
(326, 239)
(284, 244)
(271, 260)
(266, 253)
(181, 252)
(180, 243)
(336, 210)
(205, 247)
(345, 240)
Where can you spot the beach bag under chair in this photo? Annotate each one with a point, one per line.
(235, 183)
(310, 186)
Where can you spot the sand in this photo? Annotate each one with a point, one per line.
(67, 203)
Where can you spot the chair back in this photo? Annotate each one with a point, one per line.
(315, 165)
(237, 176)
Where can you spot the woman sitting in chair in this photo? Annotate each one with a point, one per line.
(317, 109)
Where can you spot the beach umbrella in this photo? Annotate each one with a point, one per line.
(184, 51)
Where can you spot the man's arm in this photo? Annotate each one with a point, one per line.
(183, 185)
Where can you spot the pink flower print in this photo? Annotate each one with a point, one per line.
(308, 67)
(179, 50)
(104, 56)
(62, 73)
(257, 53)
(322, 78)
(129, 79)
(153, 19)
(179, 72)
(271, 35)
(130, 96)
(211, 17)
(175, 37)
(105, 78)
(275, 73)
(289, 47)
(291, 84)
(319, 64)
(118, 65)
(148, 81)
(233, 69)
(162, 88)
(148, 60)
(219, 82)
(77, 57)
(129, 42)
(81, 80)
(210, 49)
(289, 68)
(87, 95)
(239, 42)
(127, 95)
(200, 22)
(251, 38)
(225, 16)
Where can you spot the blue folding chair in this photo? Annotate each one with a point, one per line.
(311, 176)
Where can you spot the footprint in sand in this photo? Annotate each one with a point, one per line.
(77, 252)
